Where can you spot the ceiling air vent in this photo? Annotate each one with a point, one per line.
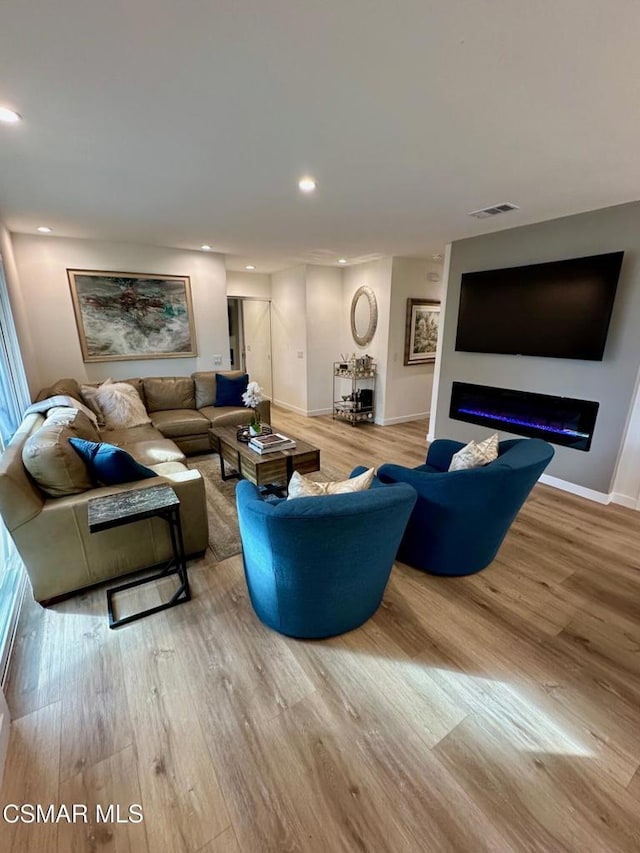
(494, 210)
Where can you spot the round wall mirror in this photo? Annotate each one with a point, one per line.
(364, 315)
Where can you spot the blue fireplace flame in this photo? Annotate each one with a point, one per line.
(524, 423)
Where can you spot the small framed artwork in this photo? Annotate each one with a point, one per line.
(421, 331)
(123, 316)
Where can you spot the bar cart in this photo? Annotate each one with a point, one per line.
(354, 391)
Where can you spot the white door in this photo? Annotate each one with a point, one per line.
(256, 315)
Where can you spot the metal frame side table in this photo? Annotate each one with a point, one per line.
(127, 507)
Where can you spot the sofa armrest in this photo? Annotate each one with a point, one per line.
(61, 555)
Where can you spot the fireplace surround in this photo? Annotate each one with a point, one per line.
(559, 420)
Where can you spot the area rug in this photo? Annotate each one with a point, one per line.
(224, 535)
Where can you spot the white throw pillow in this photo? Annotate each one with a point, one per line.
(301, 487)
(121, 405)
(475, 455)
(89, 396)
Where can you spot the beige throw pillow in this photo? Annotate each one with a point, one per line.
(301, 487)
(475, 455)
(52, 461)
(121, 406)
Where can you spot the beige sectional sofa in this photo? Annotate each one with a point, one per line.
(51, 533)
(180, 407)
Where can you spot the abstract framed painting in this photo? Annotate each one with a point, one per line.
(123, 316)
(421, 331)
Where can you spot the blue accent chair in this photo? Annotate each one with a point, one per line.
(318, 566)
(462, 517)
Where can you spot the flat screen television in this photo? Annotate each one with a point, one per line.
(559, 309)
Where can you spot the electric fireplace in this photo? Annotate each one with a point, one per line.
(559, 420)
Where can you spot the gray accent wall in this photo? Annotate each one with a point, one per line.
(610, 382)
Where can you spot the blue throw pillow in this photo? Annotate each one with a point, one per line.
(229, 390)
(108, 464)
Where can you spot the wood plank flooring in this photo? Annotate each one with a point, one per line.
(499, 712)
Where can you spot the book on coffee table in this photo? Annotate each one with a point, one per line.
(270, 443)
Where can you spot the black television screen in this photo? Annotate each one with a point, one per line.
(560, 309)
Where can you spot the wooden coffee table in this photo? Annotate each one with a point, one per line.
(268, 469)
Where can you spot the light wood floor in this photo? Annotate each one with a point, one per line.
(497, 712)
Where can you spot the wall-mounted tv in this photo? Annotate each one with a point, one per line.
(559, 309)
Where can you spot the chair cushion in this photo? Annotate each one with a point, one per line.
(179, 422)
(227, 415)
(301, 487)
(155, 452)
(108, 464)
(51, 461)
(229, 389)
(125, 437)
(165, 469)
(169, 392)
(475, 455)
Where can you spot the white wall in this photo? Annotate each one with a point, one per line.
(377, 276)
(255, 290)
(251, 284)
(309, 315)
(42, 264)
(610, 382)
(408, 389)
(289, 338)
(626, 485)
(324, 325)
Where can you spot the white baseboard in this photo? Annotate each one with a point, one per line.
(431, 437)
(591, 494)
(290, 407)
(575, 489)
(307, 413)
(405, 418)
(625, 500)
(581, 491)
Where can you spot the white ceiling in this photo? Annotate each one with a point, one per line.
(182, 123)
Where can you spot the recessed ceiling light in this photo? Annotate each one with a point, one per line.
(249, 267)
(10, 116)
(206, 248)
(307, 185)
(342, 260)
(44, 229)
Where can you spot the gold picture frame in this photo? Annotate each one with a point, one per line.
(126, 316)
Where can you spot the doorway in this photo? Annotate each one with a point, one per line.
(250, 339)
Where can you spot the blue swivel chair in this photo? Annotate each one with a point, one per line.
(319, 566)
(462, 517)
